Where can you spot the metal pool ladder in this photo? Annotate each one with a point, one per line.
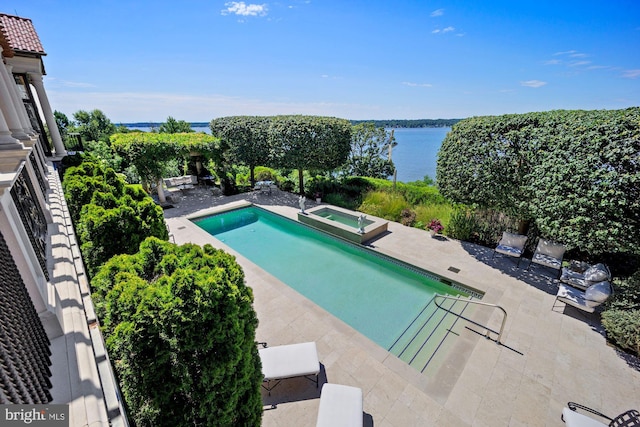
(457, 298)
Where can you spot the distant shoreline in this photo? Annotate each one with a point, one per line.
(393, 123)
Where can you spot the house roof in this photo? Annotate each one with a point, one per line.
(17, 35)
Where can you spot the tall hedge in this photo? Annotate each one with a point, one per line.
(180, 328)
(576, 174)
(110, 216)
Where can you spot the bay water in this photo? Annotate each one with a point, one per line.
(415, 155)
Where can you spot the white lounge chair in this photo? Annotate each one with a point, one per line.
(289, 361)
(548, 254)
(588, 300)
(572, 418)
(511, 244)
(340, 406)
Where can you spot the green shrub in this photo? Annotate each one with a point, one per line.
(623, 328)
(621, 318)
(262, 173)
(180, 328)
(407, 217)
(427, 212)
(338, 199)
(462, 223)
(384, 205)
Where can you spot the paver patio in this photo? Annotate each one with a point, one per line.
(549, 356)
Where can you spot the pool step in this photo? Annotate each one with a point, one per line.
(428, 332)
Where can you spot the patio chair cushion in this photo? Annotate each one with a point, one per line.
(598, 292)
(576, 298)
(511, 244)
(549, 254)
(597, 273)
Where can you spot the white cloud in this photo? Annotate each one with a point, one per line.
(446, 30)
(579, 63)
(533, 83)
(411, 84)
(242, 9)
(553, 62)
(631, 74)
(437, 12)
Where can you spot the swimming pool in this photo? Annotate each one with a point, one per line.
(376, 295)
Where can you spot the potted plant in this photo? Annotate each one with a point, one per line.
(435, 227)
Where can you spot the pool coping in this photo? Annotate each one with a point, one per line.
(377, 227)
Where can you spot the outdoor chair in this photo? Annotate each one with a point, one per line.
(582, 280)
(340, 405)
(548, 254)
(572, 418)
(588, 300)
(289, 361)
(511, 244)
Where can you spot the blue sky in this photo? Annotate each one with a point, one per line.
(197, 60)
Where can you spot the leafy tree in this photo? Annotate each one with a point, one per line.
(370, 146)
(175, 126)
(246, 139)
(309, 142)
(94, 125)
(180, 325)
(64, 125)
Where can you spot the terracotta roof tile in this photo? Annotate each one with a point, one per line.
(20, 34)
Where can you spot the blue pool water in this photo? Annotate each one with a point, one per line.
(375, 295)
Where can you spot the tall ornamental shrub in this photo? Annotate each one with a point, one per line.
(576, 174)
(180, 328)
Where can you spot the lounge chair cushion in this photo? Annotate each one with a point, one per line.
(340, 405)
(598, 292)
(576, 298)
(511, 244)
(573, 278)
(575, 419)
(288, 361)
(549, 254)
(597, 273)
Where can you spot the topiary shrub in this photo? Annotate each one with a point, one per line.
(180, 329)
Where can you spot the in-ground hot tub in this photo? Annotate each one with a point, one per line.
(343, 223)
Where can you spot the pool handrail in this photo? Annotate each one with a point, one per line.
(470, 301)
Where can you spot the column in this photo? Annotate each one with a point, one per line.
(6, 72)
(36, 80)
(7, 142)
(8, 107)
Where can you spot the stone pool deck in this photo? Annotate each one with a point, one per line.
(549, 355)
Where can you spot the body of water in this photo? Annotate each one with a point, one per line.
(415, 155)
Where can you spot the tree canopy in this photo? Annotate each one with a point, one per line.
(369, 154)
(310, 142)
(93, 125)
(576, 174)
(180, 326)
(175, 126)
